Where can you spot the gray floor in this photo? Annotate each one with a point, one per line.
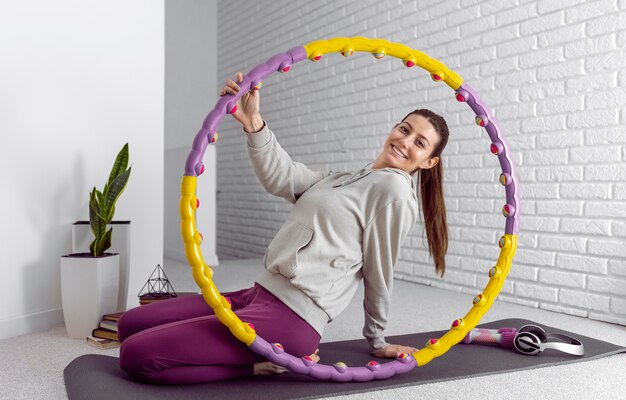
(32, 365)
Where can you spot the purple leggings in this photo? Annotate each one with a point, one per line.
(181, 341)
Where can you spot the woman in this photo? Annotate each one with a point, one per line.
(343, 228)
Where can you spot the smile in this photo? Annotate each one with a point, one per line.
(395, 150)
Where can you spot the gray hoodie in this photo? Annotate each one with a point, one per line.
(342, 227)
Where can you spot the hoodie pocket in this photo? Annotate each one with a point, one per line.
(282, 253)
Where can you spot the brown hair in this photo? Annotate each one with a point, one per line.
(431, 188)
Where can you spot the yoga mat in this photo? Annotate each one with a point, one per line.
(97, 377)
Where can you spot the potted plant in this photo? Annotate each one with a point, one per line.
(90, 281)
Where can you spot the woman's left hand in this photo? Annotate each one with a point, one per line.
(394, 350)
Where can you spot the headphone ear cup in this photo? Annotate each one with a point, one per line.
(535, 330)
(527, 343)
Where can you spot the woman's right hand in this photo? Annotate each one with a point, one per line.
(394, 350)
(247, 113)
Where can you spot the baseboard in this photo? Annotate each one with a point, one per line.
(31, 323)
(178, 255)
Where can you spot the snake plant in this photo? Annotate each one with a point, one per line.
(102, 203)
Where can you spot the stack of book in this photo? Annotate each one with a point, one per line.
(105, 336)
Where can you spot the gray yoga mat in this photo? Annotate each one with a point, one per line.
(97, 377)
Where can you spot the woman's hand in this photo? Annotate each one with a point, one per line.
(247, 106)
(394, 350)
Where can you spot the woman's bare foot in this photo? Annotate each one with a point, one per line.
(269, 368)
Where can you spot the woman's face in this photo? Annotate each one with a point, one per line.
(409, 145)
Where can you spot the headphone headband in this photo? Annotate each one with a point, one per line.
(574, 347)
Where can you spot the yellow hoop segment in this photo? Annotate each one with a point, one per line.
(482, 303)
(202, 273)
(380, 48)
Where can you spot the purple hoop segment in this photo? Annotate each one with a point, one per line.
(193, 165)
(502, 151)
(337, 372)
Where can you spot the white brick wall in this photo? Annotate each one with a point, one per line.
(552, 71)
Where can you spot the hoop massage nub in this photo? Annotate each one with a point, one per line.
(203, 274)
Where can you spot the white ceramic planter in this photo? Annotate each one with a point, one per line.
(120, 243)
(89, 289)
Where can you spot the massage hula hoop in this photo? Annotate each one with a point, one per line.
(203, 274)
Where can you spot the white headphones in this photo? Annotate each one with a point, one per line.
(532, 340)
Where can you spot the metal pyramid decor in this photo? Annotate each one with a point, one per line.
(158, 287)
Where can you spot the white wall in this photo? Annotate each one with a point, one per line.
(190, 93)
(79, 79)
(554, 73)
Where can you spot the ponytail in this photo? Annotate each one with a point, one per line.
(434, 209)
(431, 190)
